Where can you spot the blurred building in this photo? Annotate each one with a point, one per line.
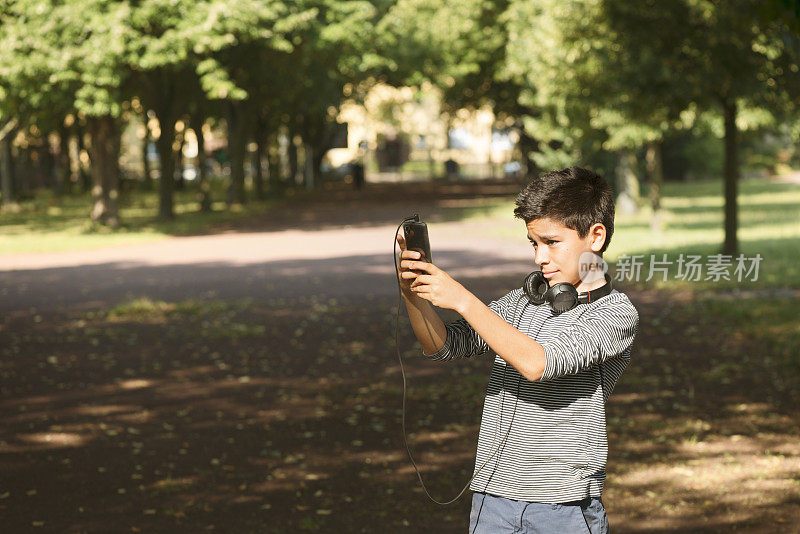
(405, 128)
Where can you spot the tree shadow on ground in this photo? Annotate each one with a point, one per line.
(259, 398)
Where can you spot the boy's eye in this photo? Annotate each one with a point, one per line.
(547, 242)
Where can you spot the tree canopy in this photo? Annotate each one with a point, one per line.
(579, 79)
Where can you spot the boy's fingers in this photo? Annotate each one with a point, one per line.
(417, 265)
(421, 266)
(422, 279)
(413, 265)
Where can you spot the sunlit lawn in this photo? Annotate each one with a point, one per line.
(47, 223)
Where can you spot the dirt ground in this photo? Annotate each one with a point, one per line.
(247, 381)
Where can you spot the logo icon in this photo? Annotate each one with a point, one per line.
(591, 267)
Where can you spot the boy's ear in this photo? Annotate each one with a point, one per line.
(596, 236)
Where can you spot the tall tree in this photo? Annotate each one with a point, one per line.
(726, 55)
(66, 57)
(597, 93)
(613, 75)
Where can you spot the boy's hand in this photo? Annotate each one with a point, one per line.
(433, 284)
(406, 276)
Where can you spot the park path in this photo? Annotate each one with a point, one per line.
(338, 244)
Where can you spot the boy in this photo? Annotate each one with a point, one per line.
(540, 466)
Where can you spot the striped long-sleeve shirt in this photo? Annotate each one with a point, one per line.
(556, 448)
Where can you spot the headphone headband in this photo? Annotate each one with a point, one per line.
(562, 296)
(590, 296)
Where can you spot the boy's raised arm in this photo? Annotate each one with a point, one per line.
(604, 333)
(426, 323)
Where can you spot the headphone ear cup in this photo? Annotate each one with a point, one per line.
(562, 297)
(535, 287)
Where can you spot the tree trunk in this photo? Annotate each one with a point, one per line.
(104, 156)
(527, 146)
(64, 163)
(204, 194)
(258, 175)
(165, 105)
(48, 166)
(148, 173)
(308, 165)
(7, 169)
(292, 149)
(237, 146)
(316, 161)
(655, 171)
(85, 179)
(627, 184)
(731, 177)
(24, 172)
(166, 179)
(112, 172)
(274, 162)
(180, 138)
(74, 158)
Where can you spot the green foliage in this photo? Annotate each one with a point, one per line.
(91, 55)
(459, 48)
(625, 73)
(60, 56)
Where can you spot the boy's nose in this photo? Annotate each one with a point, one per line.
(541, 258)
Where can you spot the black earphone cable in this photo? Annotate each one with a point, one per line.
(402, 371)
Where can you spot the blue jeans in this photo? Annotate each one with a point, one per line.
(493, 515)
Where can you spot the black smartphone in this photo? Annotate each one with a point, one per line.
(416, 235)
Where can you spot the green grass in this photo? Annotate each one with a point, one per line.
(765, 320)
(217, 319)
(47, 223)
(145, 308)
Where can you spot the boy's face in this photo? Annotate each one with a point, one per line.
(558, 249)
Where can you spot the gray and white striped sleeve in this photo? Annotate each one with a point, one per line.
(463, 341)
(598, 335)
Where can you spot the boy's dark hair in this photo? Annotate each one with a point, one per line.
(575, 197)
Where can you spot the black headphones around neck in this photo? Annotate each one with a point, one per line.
(563, 296)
